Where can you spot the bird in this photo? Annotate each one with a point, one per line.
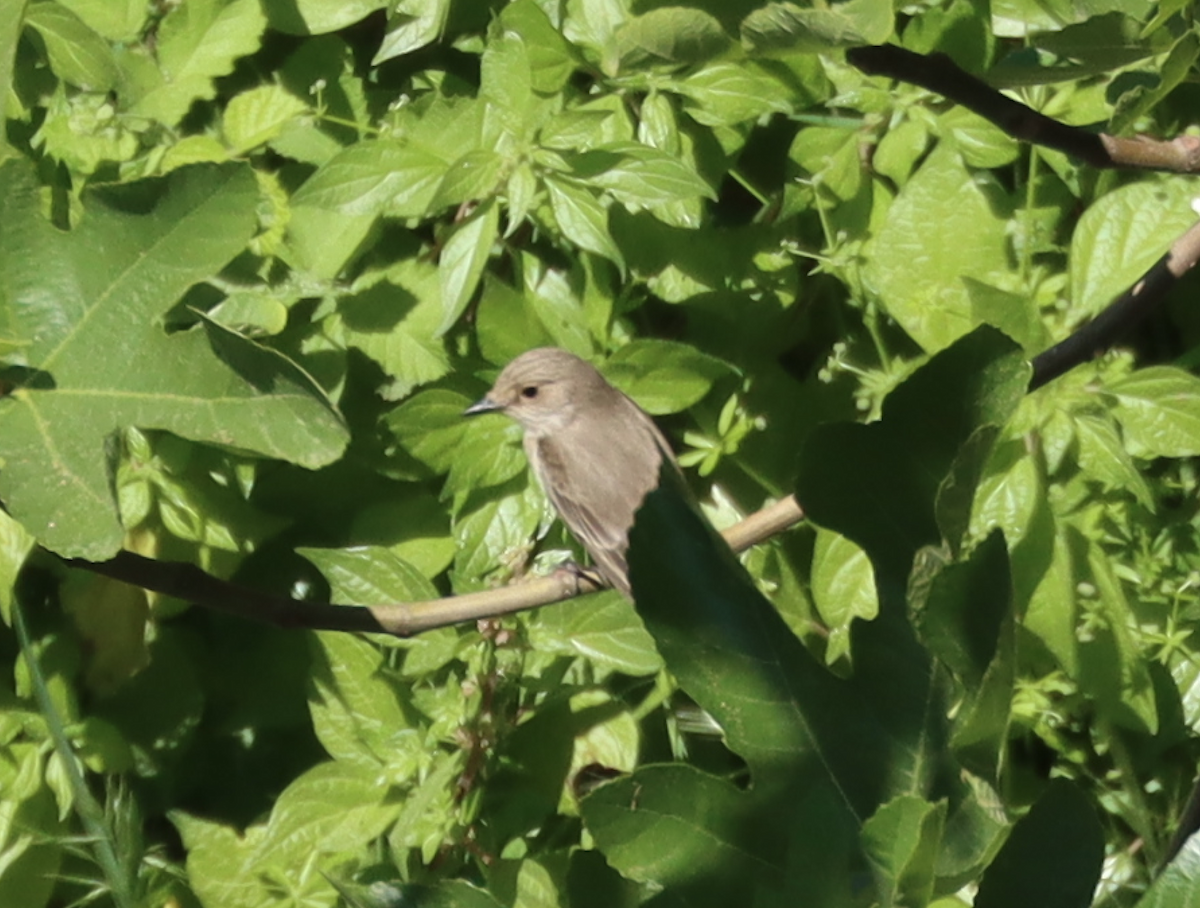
(594, 451)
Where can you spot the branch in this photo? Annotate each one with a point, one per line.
(940, 74)
(1125, 311)
(191, 584)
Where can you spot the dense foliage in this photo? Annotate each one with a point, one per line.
(256, 256)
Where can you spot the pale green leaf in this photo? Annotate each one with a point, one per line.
(257, 116)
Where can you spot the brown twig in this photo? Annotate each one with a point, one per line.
(403, 619)
(1122, 314)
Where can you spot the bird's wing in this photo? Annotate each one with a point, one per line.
(598, 486)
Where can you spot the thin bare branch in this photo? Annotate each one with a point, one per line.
(940, 74)
(403, 619)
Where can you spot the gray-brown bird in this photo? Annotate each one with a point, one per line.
(595, 452)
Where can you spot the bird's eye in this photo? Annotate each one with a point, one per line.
(529, 392)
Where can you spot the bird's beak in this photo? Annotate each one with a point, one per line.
(483, 405)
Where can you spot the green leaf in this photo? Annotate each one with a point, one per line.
(489, 455)
(1178, 884)
(1159, 412)
(357, 714)
(1103, 456)
(1113, 670)
(551, 58)
(507, 322)
(496, 530)
(395, 322)
(463, 258)
(902, 841)
(674, 826)
(1122, 235)
(255, 117)
(1142, 98)
(91, 302)
(447, 894)
(980, 142)
(474, 176)
(77, 54)
(966, 620)
(605, 629)
(116, 20)
(506, 84)
(638, 175)
(878, 484)
(334, 807)
(320, 243)
(943, 227)
(369, 575)
(583, 219)
(318, 17)
(374, 176)
(795, 724)
(1053, 857)
(412, 24)
(197, 42)
(673, 35)
(15, 546)
(786, 27)
(726, 93)
(431, 426)
(664, 376)
(843, 588)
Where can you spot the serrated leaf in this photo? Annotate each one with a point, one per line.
(335, 806)
(903, 841)
(356, 713)
(257, 116)
(412, 24)
(551, 58)
(197, 42)
(395, 323)
(473, 176)
(496, 531)
(116, 20)
(91, 301)
(77, 54)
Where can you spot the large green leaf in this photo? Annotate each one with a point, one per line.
(878, 484)
(89, 303)
(946, 225)
(792, 720)
(1052, 858)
